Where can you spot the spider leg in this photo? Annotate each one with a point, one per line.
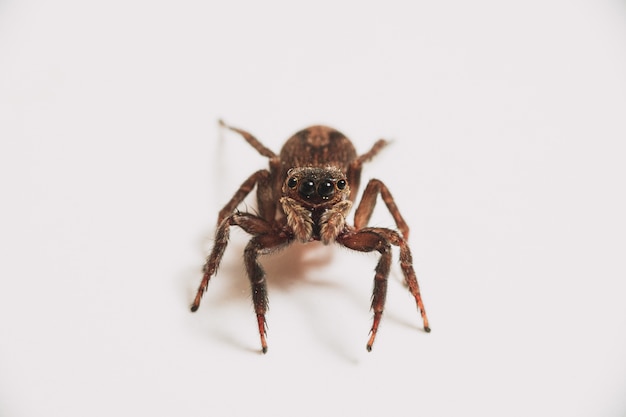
(365, 209)
(354, 169)
(265, 240)
(254, 142)
(361, 219)
(406, 264)
(368, 240)
(214, 259)
(381, 239)
(265, 181)
(377, 147)
(248, 222)
(262, 179)
(261, 245)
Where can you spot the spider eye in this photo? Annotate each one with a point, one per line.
(326, 188)
(292, 182)
(307, 188)
(341, 184)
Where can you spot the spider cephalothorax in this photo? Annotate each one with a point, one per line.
(306, 195)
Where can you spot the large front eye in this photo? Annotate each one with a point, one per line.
(326, 189)
(293, 181)
(307, 188)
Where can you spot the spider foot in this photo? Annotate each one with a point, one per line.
(262, 331)
(370, 342)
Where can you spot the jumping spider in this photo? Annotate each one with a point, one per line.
(305, 196)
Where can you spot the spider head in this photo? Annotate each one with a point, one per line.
(316, 187)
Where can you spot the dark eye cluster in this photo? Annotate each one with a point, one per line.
(325, 188)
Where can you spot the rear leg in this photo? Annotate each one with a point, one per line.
(354, 169)
(254, 142)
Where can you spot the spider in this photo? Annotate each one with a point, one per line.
(306, 196)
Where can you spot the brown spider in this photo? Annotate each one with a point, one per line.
(306, 195)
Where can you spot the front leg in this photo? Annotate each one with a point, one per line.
(266, 239)
(250, 223)
(261, 245)
(406, 264)
(368, 240)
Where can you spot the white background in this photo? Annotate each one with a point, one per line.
(508, 129)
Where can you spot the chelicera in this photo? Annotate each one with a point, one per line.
(306, 195)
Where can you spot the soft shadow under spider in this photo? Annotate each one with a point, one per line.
(284, 269)
(294, 264)
(291, 266)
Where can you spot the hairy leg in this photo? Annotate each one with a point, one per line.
(406, 264)
(266, 181)
(261, 179)
(261, 245)
(368, 202)
(354, 169)
(367, 156)
(254, 142)
(367, 241)
(248, 222)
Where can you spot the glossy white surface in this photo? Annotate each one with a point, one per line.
(507, 161)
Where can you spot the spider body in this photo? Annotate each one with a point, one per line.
(306, 195)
